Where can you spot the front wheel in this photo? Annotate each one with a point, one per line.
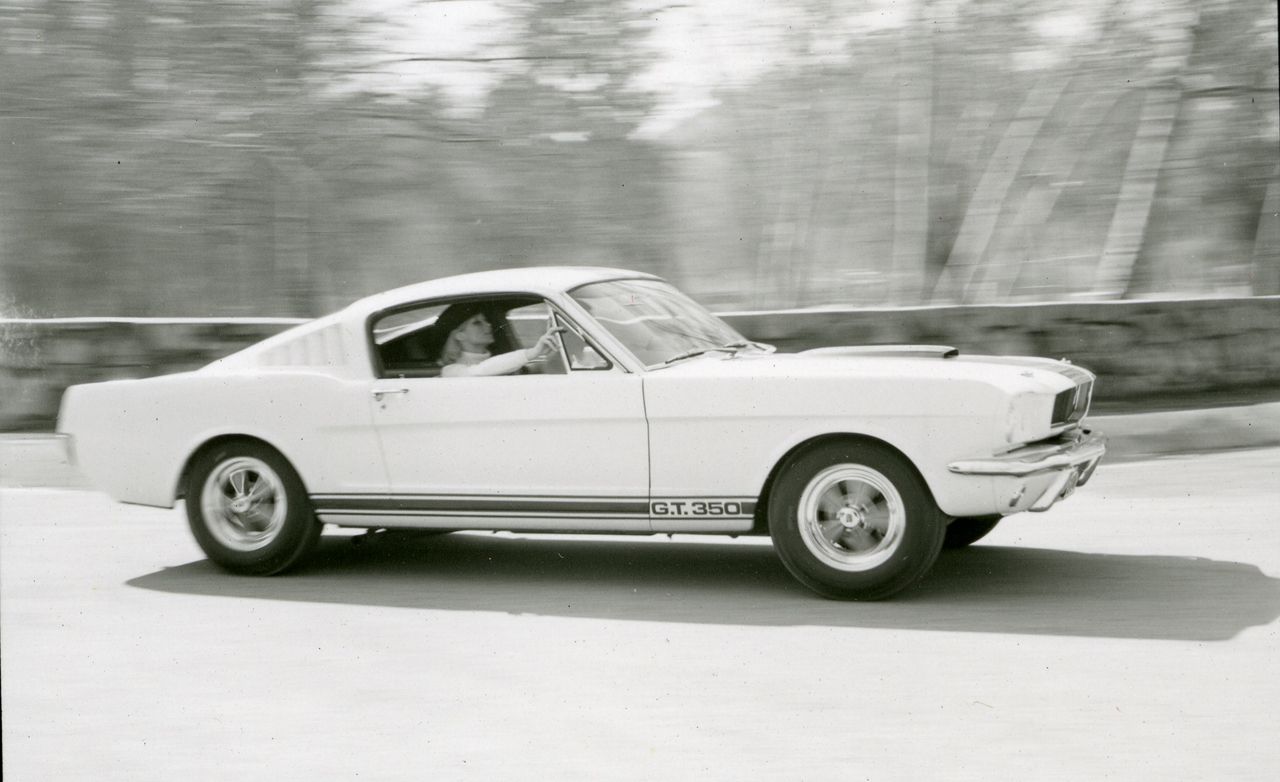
(854, 521)
(248, 509)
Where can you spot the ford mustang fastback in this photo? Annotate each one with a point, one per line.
(589, 400)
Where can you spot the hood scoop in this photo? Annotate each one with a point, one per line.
(893, 351)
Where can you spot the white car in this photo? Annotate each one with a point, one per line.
(651, 415)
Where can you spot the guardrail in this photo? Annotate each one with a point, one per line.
(1139, 349)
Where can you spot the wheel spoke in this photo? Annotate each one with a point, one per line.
(878, 515)
(857, 493)
(254, 521)
(831, 530)
(830, 503)
(261, 490)
(861, 539)
(237, 480)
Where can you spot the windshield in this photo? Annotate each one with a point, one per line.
(653, 320)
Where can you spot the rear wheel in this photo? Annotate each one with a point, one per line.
(248, 509)
(964, 531)
(854, 520)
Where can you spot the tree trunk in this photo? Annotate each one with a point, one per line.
(960, 280)
(911, 169)
(1014, 254)
(1137, 193)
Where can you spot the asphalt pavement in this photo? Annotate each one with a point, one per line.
(1129, 633)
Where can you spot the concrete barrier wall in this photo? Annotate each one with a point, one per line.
(1140, 350)
(40, 358)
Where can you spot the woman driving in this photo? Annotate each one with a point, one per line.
(466, 349)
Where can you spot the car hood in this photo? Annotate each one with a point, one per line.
(926, 363)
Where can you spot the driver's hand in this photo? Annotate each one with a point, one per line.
(545, 344)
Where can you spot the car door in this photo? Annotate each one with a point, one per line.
(561, 448)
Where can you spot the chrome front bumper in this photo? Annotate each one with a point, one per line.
(1070, 458)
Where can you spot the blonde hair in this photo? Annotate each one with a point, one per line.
(452, 350)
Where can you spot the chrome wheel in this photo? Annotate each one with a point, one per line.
(244, 503)
(851, 517)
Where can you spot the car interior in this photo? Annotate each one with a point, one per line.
(409, 341)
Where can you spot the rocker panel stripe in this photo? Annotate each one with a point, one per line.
(547, 506)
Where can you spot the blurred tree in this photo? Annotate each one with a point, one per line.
(1223, 148)
(279, 157)
(161, 135)
(575, 186)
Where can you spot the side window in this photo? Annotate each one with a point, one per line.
(405, 342)
(415, 341)
(580, 355)
(573, 354)
(527, 324)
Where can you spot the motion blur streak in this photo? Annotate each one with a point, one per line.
(240, 157)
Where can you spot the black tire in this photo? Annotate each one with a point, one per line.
(853, 520)
(248, 509)
(967, 530)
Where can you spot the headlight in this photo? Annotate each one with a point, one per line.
(1028, 417)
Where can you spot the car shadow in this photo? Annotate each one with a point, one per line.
(980, 589)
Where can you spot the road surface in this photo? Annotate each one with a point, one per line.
(1130, 633)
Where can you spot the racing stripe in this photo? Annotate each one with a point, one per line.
(450, 504)
(672, 508)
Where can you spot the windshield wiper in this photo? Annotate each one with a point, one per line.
(730, 347)
(747, 343)
(698, 352)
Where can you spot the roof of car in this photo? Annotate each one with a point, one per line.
(542, 280)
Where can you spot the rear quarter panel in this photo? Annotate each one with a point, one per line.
(132, 438)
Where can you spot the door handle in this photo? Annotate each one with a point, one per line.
(378, 393)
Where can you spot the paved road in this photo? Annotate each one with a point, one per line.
(1130, 633)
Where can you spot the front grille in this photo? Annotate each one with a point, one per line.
(1071, 405)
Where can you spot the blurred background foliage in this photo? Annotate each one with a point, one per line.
(282, 157)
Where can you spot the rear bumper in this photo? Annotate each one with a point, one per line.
(1066, 462)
